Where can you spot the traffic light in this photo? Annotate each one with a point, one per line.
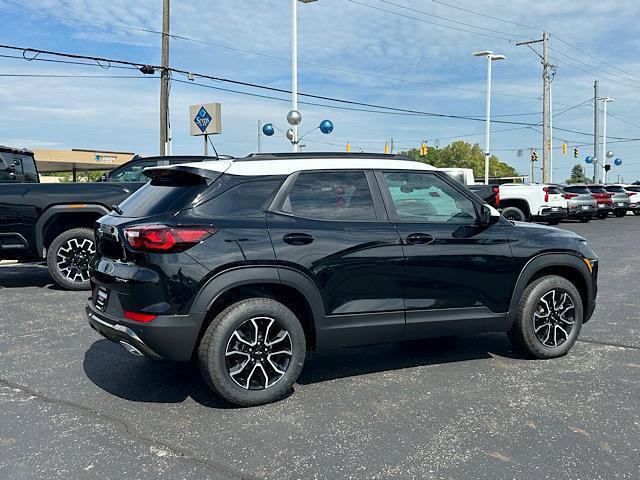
(564, 148)
(423, 149)
(386, 148)
(534, 156)
(607, 168)
(575, 152)
(348, 147)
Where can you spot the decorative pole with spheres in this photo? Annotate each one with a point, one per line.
(294, 119)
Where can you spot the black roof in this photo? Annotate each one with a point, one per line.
(22, 151)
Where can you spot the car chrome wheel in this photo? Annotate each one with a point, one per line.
(554, 318)
(258, 353)
(72, 259)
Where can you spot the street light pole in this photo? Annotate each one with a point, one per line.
(605, 100)
(294, 68)
(487, 136)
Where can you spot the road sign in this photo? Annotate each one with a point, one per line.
(205, 119)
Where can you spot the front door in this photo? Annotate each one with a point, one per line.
(459, 274)
(331, 227)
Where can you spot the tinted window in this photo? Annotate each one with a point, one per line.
(331, 196)
(552, 189)
(168, 193)
(597, 189)
(248, 199)
(29, 169)
(131, 173)
(577, 189)
(423, 197)
(633, 189)
(614, 188)
(457, 176)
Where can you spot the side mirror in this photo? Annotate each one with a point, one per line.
(488, 216)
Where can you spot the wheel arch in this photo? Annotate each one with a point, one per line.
(520, 203)
(289, 287)
(566, 265)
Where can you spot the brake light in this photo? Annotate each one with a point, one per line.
(631, 194)
(139, 316)
(496, 190)
(546, 194)
(166, 239)
(569, 196)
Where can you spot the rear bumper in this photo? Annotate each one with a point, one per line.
(579, 212)
(167, 337)
(552, 212)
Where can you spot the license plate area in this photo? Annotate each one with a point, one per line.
(102, 297)
(585, 207)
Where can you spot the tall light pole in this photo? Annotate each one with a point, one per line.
(294, 67)
(487, 137)
(605, 100)
(164, 82)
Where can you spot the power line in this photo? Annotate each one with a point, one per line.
(487, 16)
(50, 75)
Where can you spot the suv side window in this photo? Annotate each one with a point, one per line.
(342, 195)
(29, 169)
(424, 197)
(131, 173)
(246, 200)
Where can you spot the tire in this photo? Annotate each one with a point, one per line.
(231, 330)
(636, 212)
(620, 213)
(68, 258)
(603, 215)
(514, 213)
(584, 219)
(554, 221)
(523, 332)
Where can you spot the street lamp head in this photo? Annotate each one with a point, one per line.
(307, 1)
(483, 54)
(290, 134)
(497, 57)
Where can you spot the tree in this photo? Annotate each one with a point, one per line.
(463, 155)
(577, 175)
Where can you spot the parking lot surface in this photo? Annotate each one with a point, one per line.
(74, 405)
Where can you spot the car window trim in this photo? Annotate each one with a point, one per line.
(278, 201)
(391, 208)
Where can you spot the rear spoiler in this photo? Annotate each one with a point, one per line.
(182, 173)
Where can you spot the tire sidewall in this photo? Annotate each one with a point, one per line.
(515, 211)
(52, 254)
(212, 354)
(529, 303)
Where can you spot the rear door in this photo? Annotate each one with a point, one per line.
(331, 227)
(459, 275)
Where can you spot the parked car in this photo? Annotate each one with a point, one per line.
(634, 197)
(17, 166)
(247, 264)
(488, 193)
(620, 199)
(603, 199)
(580, 202)
(54, 221)
(534, 202)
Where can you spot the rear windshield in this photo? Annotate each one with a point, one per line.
(577, 189)
(164, 193)
(553, 189)
(634, 189)
(597, 189)
(614, 188)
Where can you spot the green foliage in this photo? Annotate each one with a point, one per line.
(577, 175)
(461, 154)
(81, 176)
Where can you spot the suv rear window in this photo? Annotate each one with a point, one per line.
(166, 192)
(553, 190)
(615, 188)
(597, 189)
(577, 189)
(633, 189)
(248, 199)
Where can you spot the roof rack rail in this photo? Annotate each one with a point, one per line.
(316, 155)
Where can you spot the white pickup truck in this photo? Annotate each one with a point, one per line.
(532, 201)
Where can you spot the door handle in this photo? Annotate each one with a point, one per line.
(419, 238)
(297, 238)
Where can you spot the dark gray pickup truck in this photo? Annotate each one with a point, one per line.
(54, 221)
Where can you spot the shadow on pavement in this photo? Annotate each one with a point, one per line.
(27, 275)
(143, 380)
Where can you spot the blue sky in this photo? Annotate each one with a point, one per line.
(350, 50)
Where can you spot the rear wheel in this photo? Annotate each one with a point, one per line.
(252, 352)
(584, 219)
(620, 213)
(636, 211)
(514, 214)
(553, 221)
(68, 258)
(548, 319)
(602, 215)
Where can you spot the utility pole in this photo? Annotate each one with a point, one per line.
(259, 136)
(548, 71)
(605, 100)
(164, 82)
(391, 146)
(533, 168)
(596, 132)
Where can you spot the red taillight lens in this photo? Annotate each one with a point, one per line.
(496, 190)
(139, 317)
(631, 194)
(569, 196)
(166, 239)
(546, 194)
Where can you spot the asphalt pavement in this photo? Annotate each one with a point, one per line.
(76, 406)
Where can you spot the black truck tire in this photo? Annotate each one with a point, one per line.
(513, 213)
(68, 258)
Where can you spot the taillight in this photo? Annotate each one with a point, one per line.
(139, 316)
(166, 239)
(631, 194)
(546, 194)
(496, 190)
(594, 195)
(569, 196)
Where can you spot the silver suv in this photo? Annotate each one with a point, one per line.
(580, 203)
(620, 198)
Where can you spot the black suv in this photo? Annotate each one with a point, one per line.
(247, 264)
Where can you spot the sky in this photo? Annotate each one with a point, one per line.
(404, 54)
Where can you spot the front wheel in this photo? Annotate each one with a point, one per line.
(603, 215)
(252, 352)
(636, 211)
(585, 219)
(553, 221)
(620, 213)
(68, 258)
(548, 319)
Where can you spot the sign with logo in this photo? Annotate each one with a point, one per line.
(205, 119)
(105, 158)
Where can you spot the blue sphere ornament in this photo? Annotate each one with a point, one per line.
(268, 129)
(326, 126)
(588, 160)
(618, 161)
